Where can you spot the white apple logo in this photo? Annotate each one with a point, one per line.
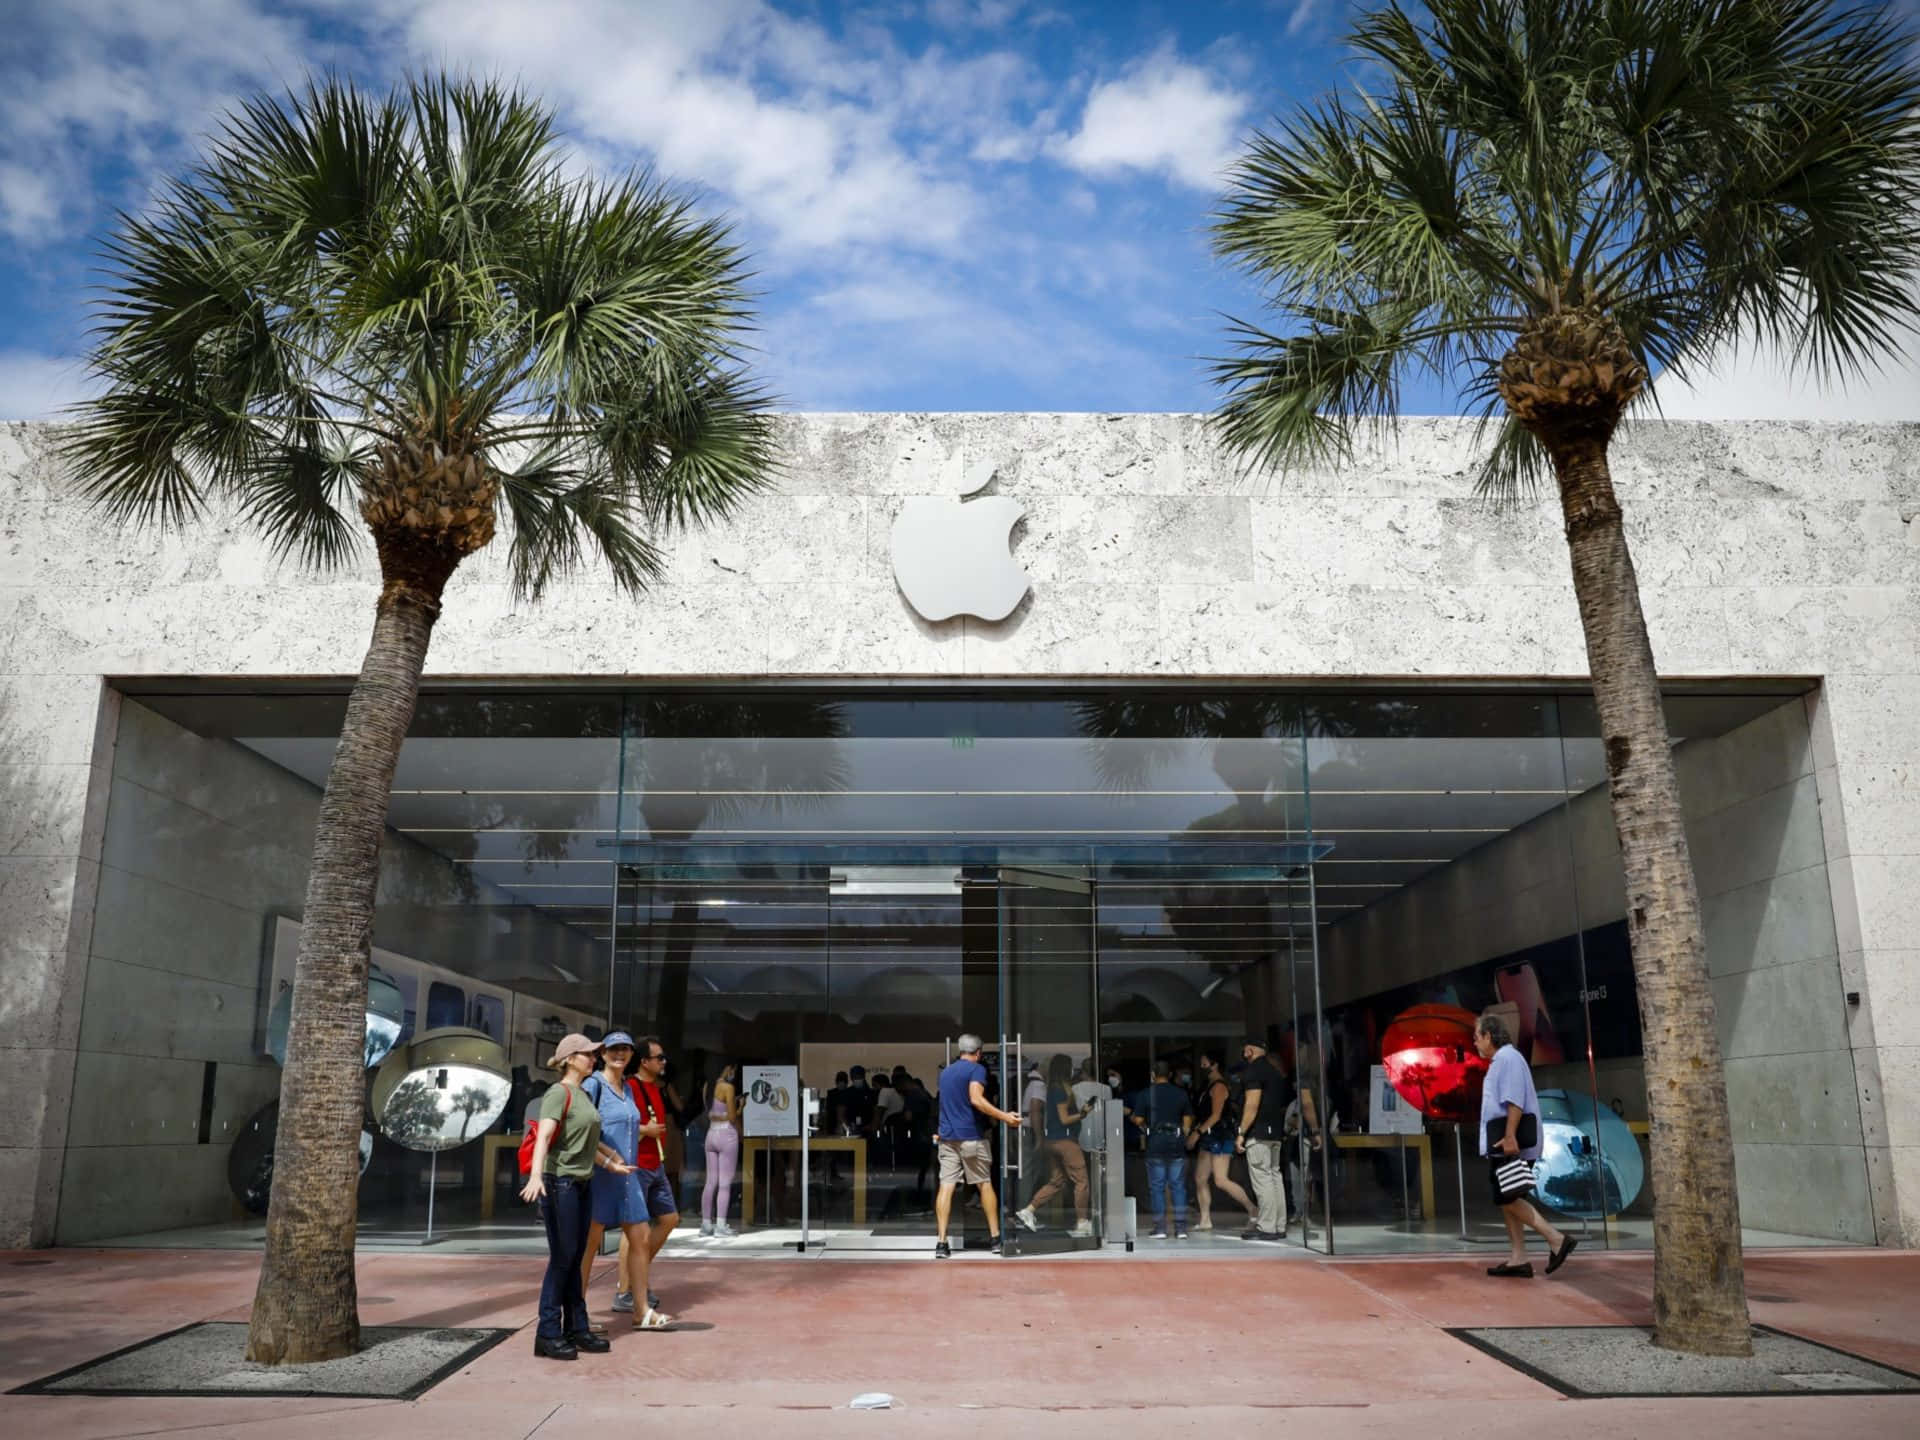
(952, 558)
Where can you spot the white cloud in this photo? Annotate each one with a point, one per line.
(972, 14)
(128, 82)
(34, 386)
(815, 140)
(1163, 116)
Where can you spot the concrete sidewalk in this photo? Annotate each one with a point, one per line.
(1331, 1348)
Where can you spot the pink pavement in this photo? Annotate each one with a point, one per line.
(1163, 1348)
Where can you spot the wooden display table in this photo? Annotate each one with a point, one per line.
(1394, 1142)
(856, 1145)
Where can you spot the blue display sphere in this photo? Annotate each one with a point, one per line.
(1590, 1165)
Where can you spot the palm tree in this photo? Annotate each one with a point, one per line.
(406, 305)
(1554, 200)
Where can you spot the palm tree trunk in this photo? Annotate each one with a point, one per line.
(1699, 1279)
(305, 1308)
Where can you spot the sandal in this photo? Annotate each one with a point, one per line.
(1507, 1270)
(654, 1320)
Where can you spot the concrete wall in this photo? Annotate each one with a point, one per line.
(204, 840)
(1754, 823)
(1762, 550)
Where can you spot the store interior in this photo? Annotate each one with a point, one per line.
(831, 880)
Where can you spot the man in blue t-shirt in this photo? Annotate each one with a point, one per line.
(964, 1152)
(1509, 1133)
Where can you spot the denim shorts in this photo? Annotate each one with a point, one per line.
(658, 1191)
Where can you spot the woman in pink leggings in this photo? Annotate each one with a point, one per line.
(723, 1155)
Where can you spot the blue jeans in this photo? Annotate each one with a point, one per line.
(1167, 1188)
(566, 1210)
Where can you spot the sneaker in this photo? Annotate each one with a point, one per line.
(1082, 1231)
(1159, 1232)
(706, 1227)
(724, 1231)
(1027, 1218)
(1180, 1234)
(943, 1251)
(995, 1246)
(623, 1302)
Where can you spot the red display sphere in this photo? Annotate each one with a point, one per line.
(1429, 1055)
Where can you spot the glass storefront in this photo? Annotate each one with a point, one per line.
(823, 889)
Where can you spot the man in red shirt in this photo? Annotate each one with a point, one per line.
(664, 1210)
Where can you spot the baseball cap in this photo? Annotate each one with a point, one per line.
(575, 1044)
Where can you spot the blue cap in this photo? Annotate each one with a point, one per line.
(619, 1037)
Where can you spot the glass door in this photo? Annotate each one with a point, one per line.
(896, 942)
(1316, 1162)
(1051, 1169)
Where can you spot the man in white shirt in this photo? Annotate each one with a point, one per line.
(1510, 1130)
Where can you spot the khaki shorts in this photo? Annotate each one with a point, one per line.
(968, 1160)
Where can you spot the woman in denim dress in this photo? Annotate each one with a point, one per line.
(618, 1200)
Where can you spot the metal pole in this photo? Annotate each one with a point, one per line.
(1460, 1179)
(806, 1175)
(1323, 1104)
(433, 1183)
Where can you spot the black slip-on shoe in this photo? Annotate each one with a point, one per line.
(1559, 1257)
(554, 1349)
(593, 1344)
(1507, 1270)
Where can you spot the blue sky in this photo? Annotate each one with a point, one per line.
(951, 204)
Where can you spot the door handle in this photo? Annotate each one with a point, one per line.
(1020, 1079)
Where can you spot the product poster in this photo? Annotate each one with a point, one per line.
(772, 1103)
(1388, 1113)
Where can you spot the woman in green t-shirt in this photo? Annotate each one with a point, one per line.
(566, 1147)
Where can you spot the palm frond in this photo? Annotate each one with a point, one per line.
(1705, 173)
(565, 514)
(349, 273)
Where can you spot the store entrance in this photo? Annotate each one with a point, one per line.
(834, 983)
(843, 985)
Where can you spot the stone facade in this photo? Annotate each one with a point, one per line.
(1763, 551)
